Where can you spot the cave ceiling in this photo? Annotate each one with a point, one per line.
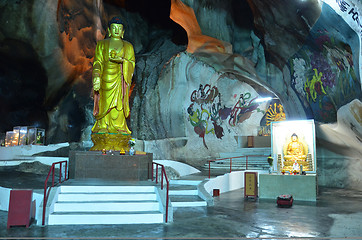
(47, 47)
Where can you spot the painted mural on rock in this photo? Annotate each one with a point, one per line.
(209, 115)
(325, 71)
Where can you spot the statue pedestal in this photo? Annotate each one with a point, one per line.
(301, 187)
(92, 164)
(110, 141)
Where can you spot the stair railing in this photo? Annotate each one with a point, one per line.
(46, 189)
(231, 161)
(163, 176)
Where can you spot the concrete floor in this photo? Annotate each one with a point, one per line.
(336, 214)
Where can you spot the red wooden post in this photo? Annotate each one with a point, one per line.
(66, 170)
(156, 173)
(167, 190)
(53, 172)
(60, 172)
(163, 172)
(152, 171)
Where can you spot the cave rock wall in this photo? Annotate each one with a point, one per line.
(198, 111)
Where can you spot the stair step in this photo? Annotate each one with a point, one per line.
(251, 151)
(261, 161)
(106, 189)
(90, 197)
(183, 187)
(185, 198)
(185, 182)
(187, 201)
(183, 192)
(190, 204)
(106, 206)
(227, 167)
(105, 218)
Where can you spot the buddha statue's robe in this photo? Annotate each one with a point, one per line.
(295, 151)
(111, 101)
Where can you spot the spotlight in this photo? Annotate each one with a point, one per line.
(263, 99)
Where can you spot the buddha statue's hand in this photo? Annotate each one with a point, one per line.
(114, 57)
(117, 59)
(96, 83)
(112, 54)
(96, 103)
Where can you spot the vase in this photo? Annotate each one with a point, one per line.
(131, 151)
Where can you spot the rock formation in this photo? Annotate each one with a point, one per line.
(185, 105)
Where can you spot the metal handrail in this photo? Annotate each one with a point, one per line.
(52, 171)
(163, 175)
(231, 158)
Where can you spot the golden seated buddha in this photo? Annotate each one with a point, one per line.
(295, 151)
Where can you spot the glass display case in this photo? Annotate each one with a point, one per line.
(23, 135)
(16, 130)
(36, 136)
(293, 146)
(12, 138)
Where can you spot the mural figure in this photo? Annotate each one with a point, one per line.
(275, 115)
(113, 68)
(243, 109)
(314, 87)
(206, 112)
(325, 77)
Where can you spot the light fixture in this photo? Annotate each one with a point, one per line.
(264, 99)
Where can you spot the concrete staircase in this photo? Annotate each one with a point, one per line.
(185, 193)
(106, 205)
(258, 162)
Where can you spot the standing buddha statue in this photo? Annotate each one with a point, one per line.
(113, 68)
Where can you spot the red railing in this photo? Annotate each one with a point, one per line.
(46, 190)
(163, 175)
(231, 161)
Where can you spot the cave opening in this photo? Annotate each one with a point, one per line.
(23, 82)
(156, 13)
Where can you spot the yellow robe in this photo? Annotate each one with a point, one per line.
(112, 99)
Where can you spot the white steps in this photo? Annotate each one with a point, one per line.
(185, 182)
(107, 189)
(187, 201)
(106, 218)
(189, 204)
(184, 193)
(257, 159)
(107, 197)
(106, 205)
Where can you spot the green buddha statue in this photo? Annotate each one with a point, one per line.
(113, 68)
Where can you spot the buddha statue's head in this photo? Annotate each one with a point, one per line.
(281, 108)
(115, 28)
(294, 137)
